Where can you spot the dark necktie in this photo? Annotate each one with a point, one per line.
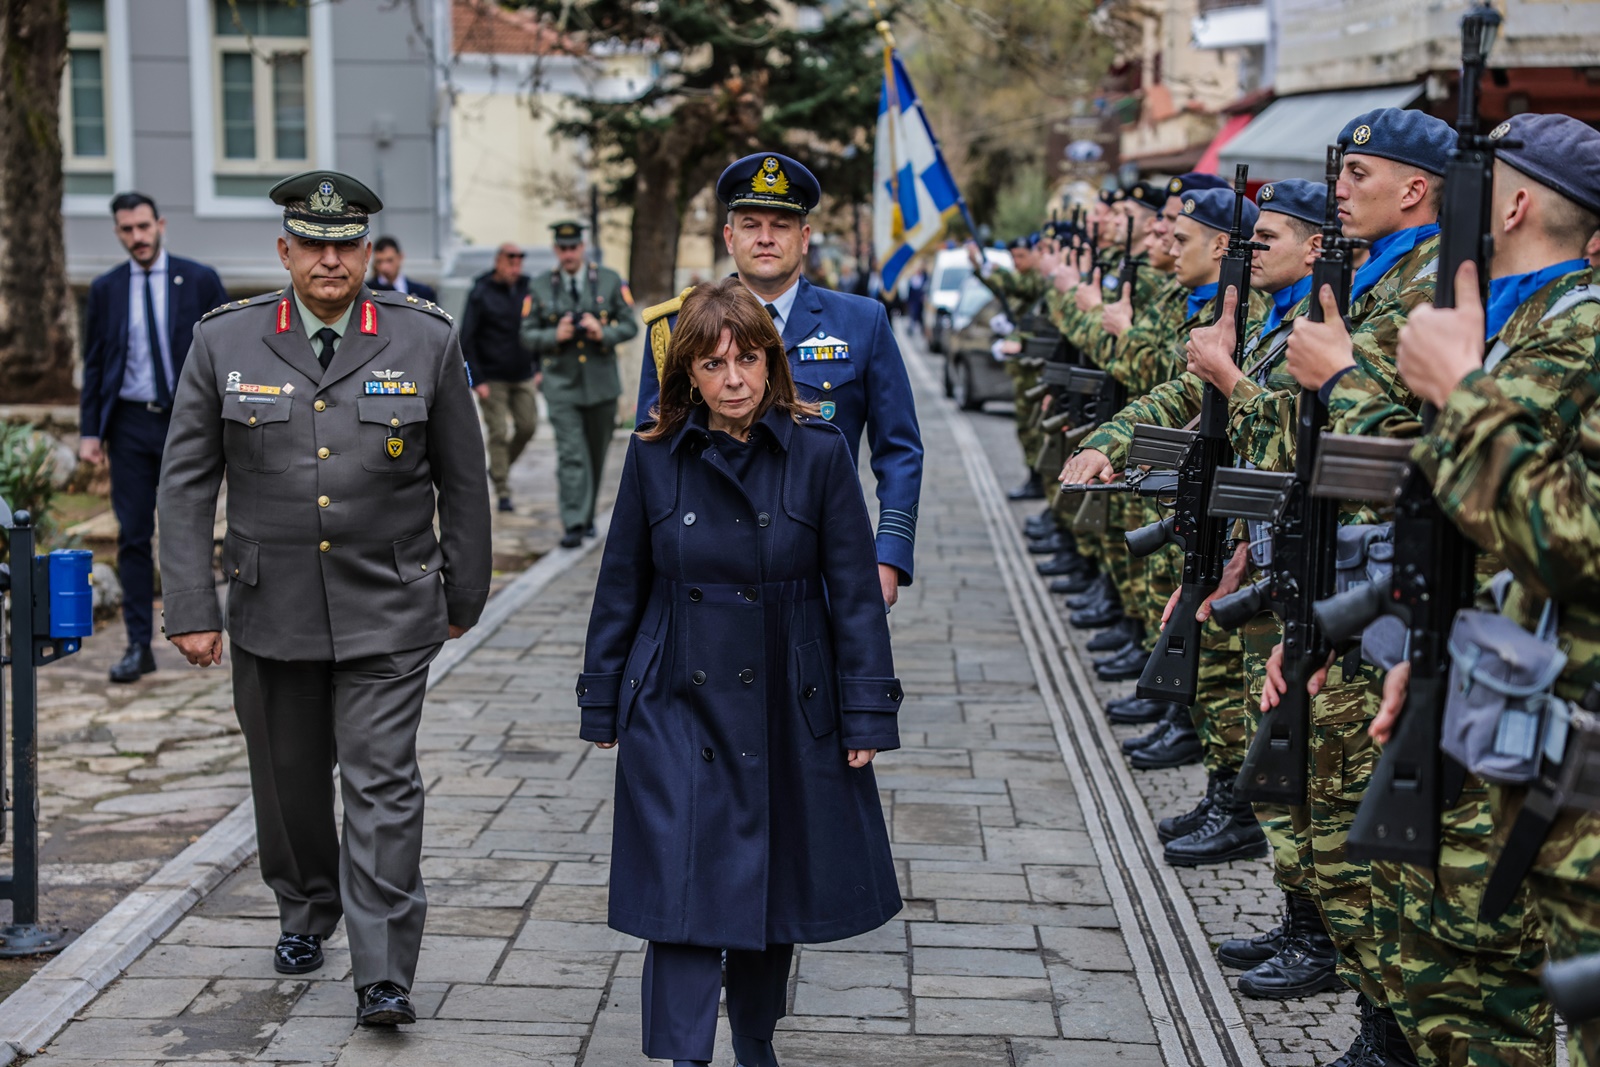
(573, 281)
(158, 369)
(327, 336)
(772, 309)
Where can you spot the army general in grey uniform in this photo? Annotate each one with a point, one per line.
(343, 419)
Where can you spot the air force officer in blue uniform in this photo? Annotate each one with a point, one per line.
(841, 350)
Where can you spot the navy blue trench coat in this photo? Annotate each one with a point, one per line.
(737, 647)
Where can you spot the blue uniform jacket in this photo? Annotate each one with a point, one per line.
(863, 387)
(737, 648)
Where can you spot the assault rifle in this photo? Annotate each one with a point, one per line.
(1172, 672)
(1433, 565)
(1573, 986)
(1305, 534)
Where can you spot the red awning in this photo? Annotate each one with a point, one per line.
(1209, 159)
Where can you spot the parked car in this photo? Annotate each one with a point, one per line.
(972, 374)
(951, 267)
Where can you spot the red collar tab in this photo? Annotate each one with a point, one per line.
(283, 315)
(369, 317)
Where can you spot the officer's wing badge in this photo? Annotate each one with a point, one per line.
(388, 375)
(770, 178)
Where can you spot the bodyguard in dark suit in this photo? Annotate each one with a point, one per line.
(842, 353)
(738, 652)
(388, 272)
(140, 317)
(342, 421)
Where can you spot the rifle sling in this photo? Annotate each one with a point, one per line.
(1521, 849)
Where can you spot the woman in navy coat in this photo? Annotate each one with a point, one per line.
(738, 651)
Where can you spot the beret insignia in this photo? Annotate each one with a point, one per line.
(1138, 193)
(1175, 185)
(1266, 192)
(1499, 131)
(1362, 134)
(1188, 206)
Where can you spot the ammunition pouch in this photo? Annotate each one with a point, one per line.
(1365, 556)
(1501, 720)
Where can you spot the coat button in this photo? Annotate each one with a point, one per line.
(749, 593)
(707, 755)
(809, 691)
(320, 405)
(747, 676)
(324, 546)
(394, 422)
(323, 453)
(763, 519)
(323, 501)
(895, 695)
(695, 595)
(827, 385)
(583, 690)
(698, 677)
(252, 420)
(688, 520)
(633, 683)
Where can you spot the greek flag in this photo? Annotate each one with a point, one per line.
(914, 195)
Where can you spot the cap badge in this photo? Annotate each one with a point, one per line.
(1138, 192)
(1175, 185)
(770, 178)
(1362, 134)
(326, 200)
(1266, 193)
(1499, 131)
(1188, 206)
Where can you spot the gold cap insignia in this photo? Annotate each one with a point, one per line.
(1499, 131)
(1362, 135)
(1188, 206)
(1175, 185)
(1138, 192)
(1266, 193)
(326, 199)
(770, 178)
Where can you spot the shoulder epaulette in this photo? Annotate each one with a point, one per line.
(250, 301)
(399, 299)
(665, 308)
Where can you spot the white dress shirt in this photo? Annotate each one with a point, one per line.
(138, 377)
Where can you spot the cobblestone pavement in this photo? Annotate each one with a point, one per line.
(131, 774)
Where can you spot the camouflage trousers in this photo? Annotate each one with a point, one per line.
(1218, 711)
(1029, 435)
(1565, 885)
(1466, 993)
(1289, 874)
(1342, 758)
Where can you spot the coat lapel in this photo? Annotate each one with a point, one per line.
(357, 349)
(804, 317)
(292, 346)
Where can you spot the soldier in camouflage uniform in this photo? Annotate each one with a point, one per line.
(1018, 290)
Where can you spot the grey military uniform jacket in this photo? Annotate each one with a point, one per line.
(333, 478)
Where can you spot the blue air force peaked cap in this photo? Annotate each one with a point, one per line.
(1556, 151)
(1214, 208)
(1411, 137)
(1194, 181)
(769, 180)
(1295, 197)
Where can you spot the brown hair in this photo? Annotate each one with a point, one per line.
(706, 312)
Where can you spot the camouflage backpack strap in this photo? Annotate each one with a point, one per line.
(658, 319)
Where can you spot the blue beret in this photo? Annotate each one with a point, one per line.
(1295, 197)
(1148, 195)
(1411, 137)
(1193, 181)
(1214, 208)
(1557, 151)
(769, 180)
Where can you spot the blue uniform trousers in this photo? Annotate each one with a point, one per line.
(680, 988)
(135, 439)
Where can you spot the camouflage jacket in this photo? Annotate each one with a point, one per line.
(1263, 407)
(1018, 290)
(1380, 313)
(1150, 351)
(1173, 402)
(1533, 500)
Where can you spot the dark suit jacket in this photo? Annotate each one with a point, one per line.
(192, 290)
(420, 290)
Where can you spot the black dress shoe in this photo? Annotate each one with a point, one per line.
(135, 663)
(297, 954)
(1032, 489)
(1243, 953)
(573, 537)
(1178, 747)
(505, 504)
(753, 1052)
(384, 1004)
(1095, 616)
(1134, 744)
(1049, 545)
(1124, 668)
(1040, 525)
(1306, 961)
(1116, 636)
(1116, 653)
(1141, 711)
(1230, 831)
(1063, 563)
(588, 531)
(1175, 826)
(1101, 589)
(1072, 585)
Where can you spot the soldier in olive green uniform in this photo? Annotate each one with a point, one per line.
(343, 422)
(577, 315)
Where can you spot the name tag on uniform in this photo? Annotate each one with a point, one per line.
(823, 348)
(391, 388)
(251, 399)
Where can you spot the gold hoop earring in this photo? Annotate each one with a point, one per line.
(693, 399)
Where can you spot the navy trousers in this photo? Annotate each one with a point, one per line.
(134, 442)
(680, 990)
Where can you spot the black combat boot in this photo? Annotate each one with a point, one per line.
(1049, 544)
(1032, 489)
(1229, 832)
(1179, 746)
(1171, 722)
(1366, 1050)
(1243, 953)
(1388, 1040)
(1064, 564)
(1175, 826)
(1128, 665)
(1306, 963)
(1141, 711)
(1075, 584)
(1040, 524)
(1098, 591)
(1114, 637)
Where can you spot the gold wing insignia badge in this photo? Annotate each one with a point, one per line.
(770, 178)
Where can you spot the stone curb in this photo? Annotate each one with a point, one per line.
(32, 1016)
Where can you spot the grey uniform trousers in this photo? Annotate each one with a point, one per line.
(583, 435)
(299, 719)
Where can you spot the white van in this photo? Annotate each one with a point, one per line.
(951, 267)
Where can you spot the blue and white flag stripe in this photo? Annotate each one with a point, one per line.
(914, 194)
